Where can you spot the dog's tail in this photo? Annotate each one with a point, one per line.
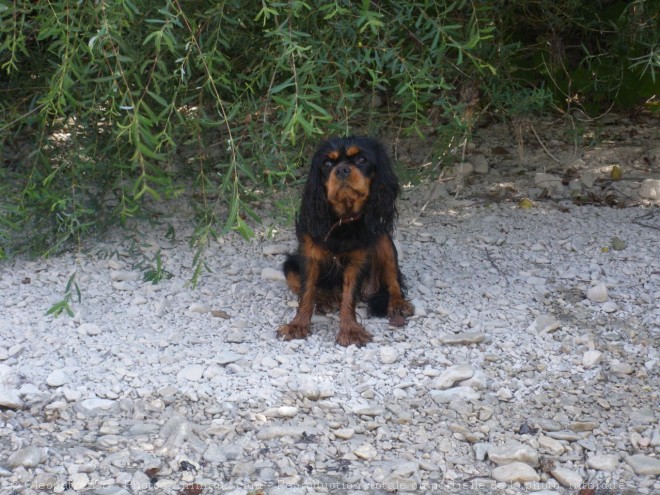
(292, 269)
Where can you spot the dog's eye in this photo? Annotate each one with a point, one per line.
(360, 160)
(328, 163)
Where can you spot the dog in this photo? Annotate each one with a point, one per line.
(345, 249)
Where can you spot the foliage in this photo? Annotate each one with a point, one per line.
(64, 304)
(588, 55)
(110, 106)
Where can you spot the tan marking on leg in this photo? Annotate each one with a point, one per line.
(388, 271)
(294, 282)
(350, 331)
(299, 328)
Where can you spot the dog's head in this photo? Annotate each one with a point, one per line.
(350, 178)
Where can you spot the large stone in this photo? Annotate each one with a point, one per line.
(452, 394)
(597, 293)
(273, 249)
(553, 183)
(550, 445)
(650, 189)
(192, 373)
(28, 457)
(463, 338)
(516, 472)
(10, 399)
(273, 432)
(242, 469)
(272, 274)
(388, 355)
(57, 378)
(591, 358)
(480, 164)
(463, 169)
(513, 452)
(96, 406)
(603, 462)
(452, 375)
(366, 451)
(643, 464)
(567, 478)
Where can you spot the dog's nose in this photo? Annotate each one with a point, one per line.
(342, 171)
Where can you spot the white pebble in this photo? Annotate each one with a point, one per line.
(453, 375)
(272, 274)
(139, 300)
(609, 307)
(366, 451)
(550, 445)
(650, 189)
(8, 377)
(226, 357)
(79, 481)
(504, 394)
(287, 411)
(94, 404)
(310, 390)
(516, 472)
(603, 462)
(192, 373)
(513, 451)
(121, 275)
(545, 324)
(10, 399)
(597, 293)
(344, 433)
(89, 329)
(566, 477)
(591, 358)
(28, 457)
(199, 308)
(452, 394)
(273, 432)
(388, 355)
(57, 378)
(114, 265)
(273, 249)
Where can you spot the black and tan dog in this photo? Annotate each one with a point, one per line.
(344, 231)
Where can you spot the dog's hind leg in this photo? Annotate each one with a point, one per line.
(292, 272)
(390, 291)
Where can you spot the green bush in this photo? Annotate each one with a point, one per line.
(110, 105)
(589, 55)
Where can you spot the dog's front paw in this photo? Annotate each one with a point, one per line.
(293, 331)
(353, 333)
(398, 310)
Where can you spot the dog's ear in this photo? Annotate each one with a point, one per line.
(315, 213)
(380, 212)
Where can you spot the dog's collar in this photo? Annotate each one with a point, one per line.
(340, 222)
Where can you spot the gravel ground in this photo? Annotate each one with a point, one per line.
(531, 364)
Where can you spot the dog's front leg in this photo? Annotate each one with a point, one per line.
(350, 331)
(299, 328)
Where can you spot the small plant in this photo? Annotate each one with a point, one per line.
(156, 273)
(71, 291)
